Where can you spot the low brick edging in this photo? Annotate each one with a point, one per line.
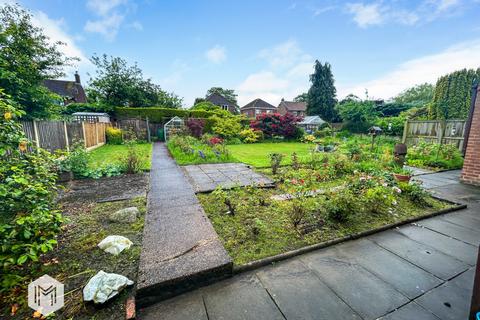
(293, 253)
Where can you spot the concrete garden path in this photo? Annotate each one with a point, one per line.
(418, 271)
(180, 248)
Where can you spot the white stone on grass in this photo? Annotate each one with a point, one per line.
(104, 286)
(115, 244)
(127, 215)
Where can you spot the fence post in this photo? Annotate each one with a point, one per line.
(443, 127)
(67, 145)
(405, 132)
(96, 134)
(35, 133)
(84, 134)
(148, 130)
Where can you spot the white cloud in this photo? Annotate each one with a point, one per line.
(423, 69)
(444, 5)
(177, 71)
(284, 76)
(217, 54)
(56, 31)
(108, 26)
(111, 14)
(319, 11)
(366, 14)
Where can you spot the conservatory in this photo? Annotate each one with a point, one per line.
(311, 123)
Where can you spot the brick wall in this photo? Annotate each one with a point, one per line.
(471, 166)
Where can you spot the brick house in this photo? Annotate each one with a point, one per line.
(223, 103)
(296, 108)
(471, 165)
(70, 91)
(256, 107)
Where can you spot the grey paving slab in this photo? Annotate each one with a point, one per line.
(354, 284)
(452, 247)
(453, 230)
(426, 257)
(448, 302)
(180, 248)
(207, 177)
(464, 220)
(402, 275)
(300, 294)
(411, 311)
(241, 298)
(185, 307)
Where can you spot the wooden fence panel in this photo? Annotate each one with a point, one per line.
(133, 127)
(435, 131)
(74, 132)
(90, 134)
(51, 135)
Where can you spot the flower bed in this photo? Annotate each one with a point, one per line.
(327, 198)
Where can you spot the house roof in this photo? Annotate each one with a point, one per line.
(316, 120)
(294, 106)
(64, 88)
(258, 104)
(219, 100)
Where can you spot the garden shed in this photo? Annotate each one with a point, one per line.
(91, 117)
(311, 123)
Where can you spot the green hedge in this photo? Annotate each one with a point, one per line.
(160, 115)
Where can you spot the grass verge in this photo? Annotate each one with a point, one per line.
(112, 154)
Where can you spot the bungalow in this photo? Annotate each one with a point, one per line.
(222, 102)
(70, 91)
(256, 107)
(296, 108)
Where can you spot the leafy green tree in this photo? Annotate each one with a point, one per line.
(303, 97)
(228, 94)
(206, 106)
(416, 96)
(321, 97)
(118, 84)
(27, 58)
(357, 116)
(452, 96)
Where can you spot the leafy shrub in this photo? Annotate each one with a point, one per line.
(309, 138)
(196, 127)
(322, 133)
(392, 126)
(132, 161)
(358, 116)
(29, 220)
(414, 192)
(251, 135)
(444, 156)
(76, 161)
(226, 127)
(341, 206)
(275, 124)
(379, 199)
(114, 135)
(275, 161)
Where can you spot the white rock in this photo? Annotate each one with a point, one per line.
(115, 244)
(127, 215)
(104, 286)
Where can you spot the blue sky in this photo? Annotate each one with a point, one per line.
(266, 49)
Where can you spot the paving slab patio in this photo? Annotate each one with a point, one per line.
(207, 177)
(419, 271)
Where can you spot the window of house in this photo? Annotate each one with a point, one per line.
(225, 107)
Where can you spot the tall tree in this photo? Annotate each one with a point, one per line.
(416, 96)
(321, 97)
(27, 58)
(228, 94)
(452, 95)
(118, 84)
(303, 97)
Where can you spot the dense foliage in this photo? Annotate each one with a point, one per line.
(453, 94)
(29, 220)
(27, 58)
(416, 96)
(205, 106)
(161, 115)
(321, 97)
(118, 84)
(277, 125)
(432, 155)
(357, 116)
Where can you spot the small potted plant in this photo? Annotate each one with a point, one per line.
(402, 174)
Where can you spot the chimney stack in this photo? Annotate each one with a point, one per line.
(77, 77)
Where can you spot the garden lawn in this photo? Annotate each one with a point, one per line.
(112, 154)
(258, 154)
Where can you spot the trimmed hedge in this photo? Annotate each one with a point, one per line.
(161, 115)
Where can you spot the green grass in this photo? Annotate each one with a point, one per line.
(257, 154)
(111, 154)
